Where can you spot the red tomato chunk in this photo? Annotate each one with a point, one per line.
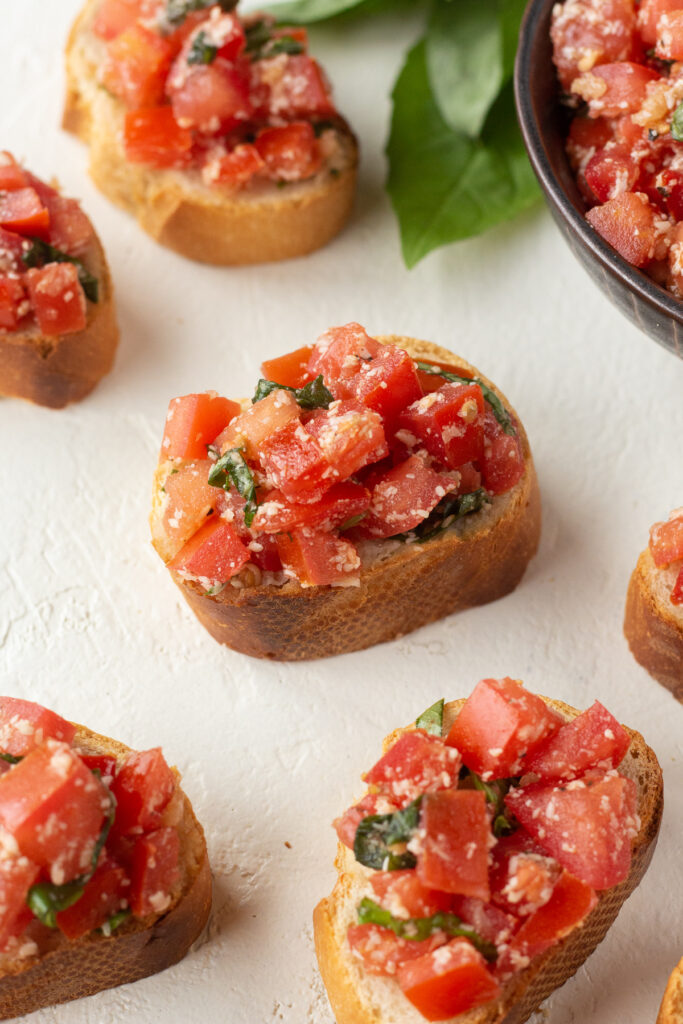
(214, 554)
(403, 894)
(449, 422)
(23, 211)
(342, 502)
(193, 422)
(383, 952)
(104, 895)
(291, 369)
(17, 875)
(154, 871)
(454, 838)
(317, 558)
(666, 540)
(143, 786)
(154, 137)
(57, 298)
(290, 152)
(13, 303)
(448, 981)
(136, 66)
(416, 763)
(404, 496)
(593, 740)
(24, 725)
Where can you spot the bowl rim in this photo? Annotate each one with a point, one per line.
(536, 19)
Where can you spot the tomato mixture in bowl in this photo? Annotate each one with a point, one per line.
(237, 99)
(619, 64)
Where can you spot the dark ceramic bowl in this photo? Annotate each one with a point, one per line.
(544, 123)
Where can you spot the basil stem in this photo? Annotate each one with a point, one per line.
(11, 758)
(202, 52)
(497, 407)
(232, 469)
(495, 793)
(376, 833)
(431, 720)
(313, 395)
(114, 921)
(417, 929)
(178, 10)
(41, 253)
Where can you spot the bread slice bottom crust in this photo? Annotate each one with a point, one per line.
(211, 225)
(653, 626)
(478, 560)
(55, 371)
(359, 998)
(671, 1010)
(137, 948)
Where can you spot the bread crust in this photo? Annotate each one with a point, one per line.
(671, 1010)
(57, 370)
(525, 992)
(137, 949)
(482, 560)
(654, 627)
(209, 225)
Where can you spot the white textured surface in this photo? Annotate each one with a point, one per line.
(91, 625)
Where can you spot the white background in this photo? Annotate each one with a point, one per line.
(91, 624)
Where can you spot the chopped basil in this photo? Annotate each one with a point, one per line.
(497, 407)
(431, 720)
(202, 52)
(353, 521)
(313, 395)
(232, 469)
(257, 35)
(114, 921)
(11, 758)
(285, 44)
(41, 253)
(495, 793)
(177, 10)
(46, 900)
(677, 123)
(449, 509)
(416, 929)
(378, 832)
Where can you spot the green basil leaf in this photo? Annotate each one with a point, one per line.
(202, 52)
(464, 51)
(417, 929)
(353, 521)
(313, 395)
(431, 720)
(284, 44)
(449, 509)
(495, 793)
(490, 396)
(257, 35)
(677, 123)
(443, 185)
(114, 921)
(41, 253)
(11, 758)
(232, 469)
(177, 10)
(378, 832)
(511, 13)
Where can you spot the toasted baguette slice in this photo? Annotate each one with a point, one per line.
(359, 998)
(212, 225)
(68, 970)
(402, 586)
(653, 625)
(57, 370)
(671, 1010)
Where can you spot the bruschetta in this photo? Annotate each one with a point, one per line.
(493, 850)
(671, 1010)
(653, 622)
(217, 132)
(58, 331)
(103, 866)
(372, 485)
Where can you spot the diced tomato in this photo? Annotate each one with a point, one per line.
(114, 17)
(290, 87)
(13, 306)
(102, 763)
(387, 383)
(587, 824)
(154, 871)
(295, 462)
(70, 229)
(404, 895)
(587, 133)
(449, 422)
(259, 421)
(213, 554)
(190, 499)
(17, 875)
(265, 553)
(492, 923)
(612, 90)
(383, 952)
(404, 497)
(51, 784)
(154, 137)
(349, 435)
(143, 786)
(677, 591)
(12, 248)
(416, 763)
(337, 355)
(571, 902)
(24, 725)
(593, 740)
(669, 44)
(290, 369)
(102, 897)
(502, 464)
(668, 185)
(499, 726)
(666, 540)
(136, 66)
(57, 298)
(11, 175)
(586, 33)
(342, 502)
(454, 839)
(233, 167)
(347, 825)
(611, 171)
(213, 97)
(317, 558)
(522, 876)
(649, 13)
(195, 421)
(629, 223)
(448, 981)
(290, 152)
(22, 211)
